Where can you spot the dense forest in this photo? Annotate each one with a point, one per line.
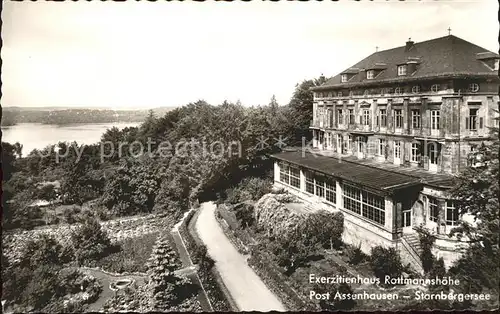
(15, 115)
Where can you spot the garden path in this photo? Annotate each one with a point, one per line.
(247, 289)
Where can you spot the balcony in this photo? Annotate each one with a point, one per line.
(320, 124)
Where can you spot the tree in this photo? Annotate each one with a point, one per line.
(167, 289)
(90, 241)
(44, 250)
(9, 152)
(426, 257)
(477, 193)
(302, 105)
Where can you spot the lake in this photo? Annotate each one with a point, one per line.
(37, 135)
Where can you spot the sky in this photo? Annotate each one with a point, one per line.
(150, 54)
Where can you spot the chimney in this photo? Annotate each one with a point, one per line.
(409, 44)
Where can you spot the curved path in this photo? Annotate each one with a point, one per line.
(247, 289)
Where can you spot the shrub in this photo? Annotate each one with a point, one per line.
(250, 188)
(70, 214)
(324, 228)
(43, 250)
(245, 214)
(355, 255)
(291, 252)
(90, 241)
(385, 262)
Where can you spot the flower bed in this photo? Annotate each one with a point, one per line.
(217, 292)
(118, 230)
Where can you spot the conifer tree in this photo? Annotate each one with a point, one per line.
(166, 288)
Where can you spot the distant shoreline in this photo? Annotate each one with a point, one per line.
(15, 115)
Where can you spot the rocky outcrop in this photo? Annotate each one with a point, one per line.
(273, 217)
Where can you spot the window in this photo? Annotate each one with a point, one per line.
(352, 199)
(415, 152)
(289, 175)
(474, 87)
(435, 119)
(340, 117)
(433, 209)
(402, 70)
(370, 74)
(343, 78)
(415, 118)
(284, 173)
(398, 118)
(471, 120)
(340, 94)
(383, 117)
(381, 147)
(495, 67)
(397, 90)
(351, 93)
(435, 88)
(295, 177)
(320, 186)
(331, 191)
(361, 143)
(397, 149)
(309, 182)
(363, 203)
(373, 207)
(433, 153)
(451, 214)
(349, 142)
(366, 117)
(415, 89)
(366, 92)
(351, 116)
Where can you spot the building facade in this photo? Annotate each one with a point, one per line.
(391, 132)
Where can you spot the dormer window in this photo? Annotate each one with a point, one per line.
(435, 88)
(343, 78)
(415, 89)
(370, 74)
(401, 70)
(397, 91)
(495, 67)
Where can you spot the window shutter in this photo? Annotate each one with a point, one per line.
(481, 122)
(467, 122)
